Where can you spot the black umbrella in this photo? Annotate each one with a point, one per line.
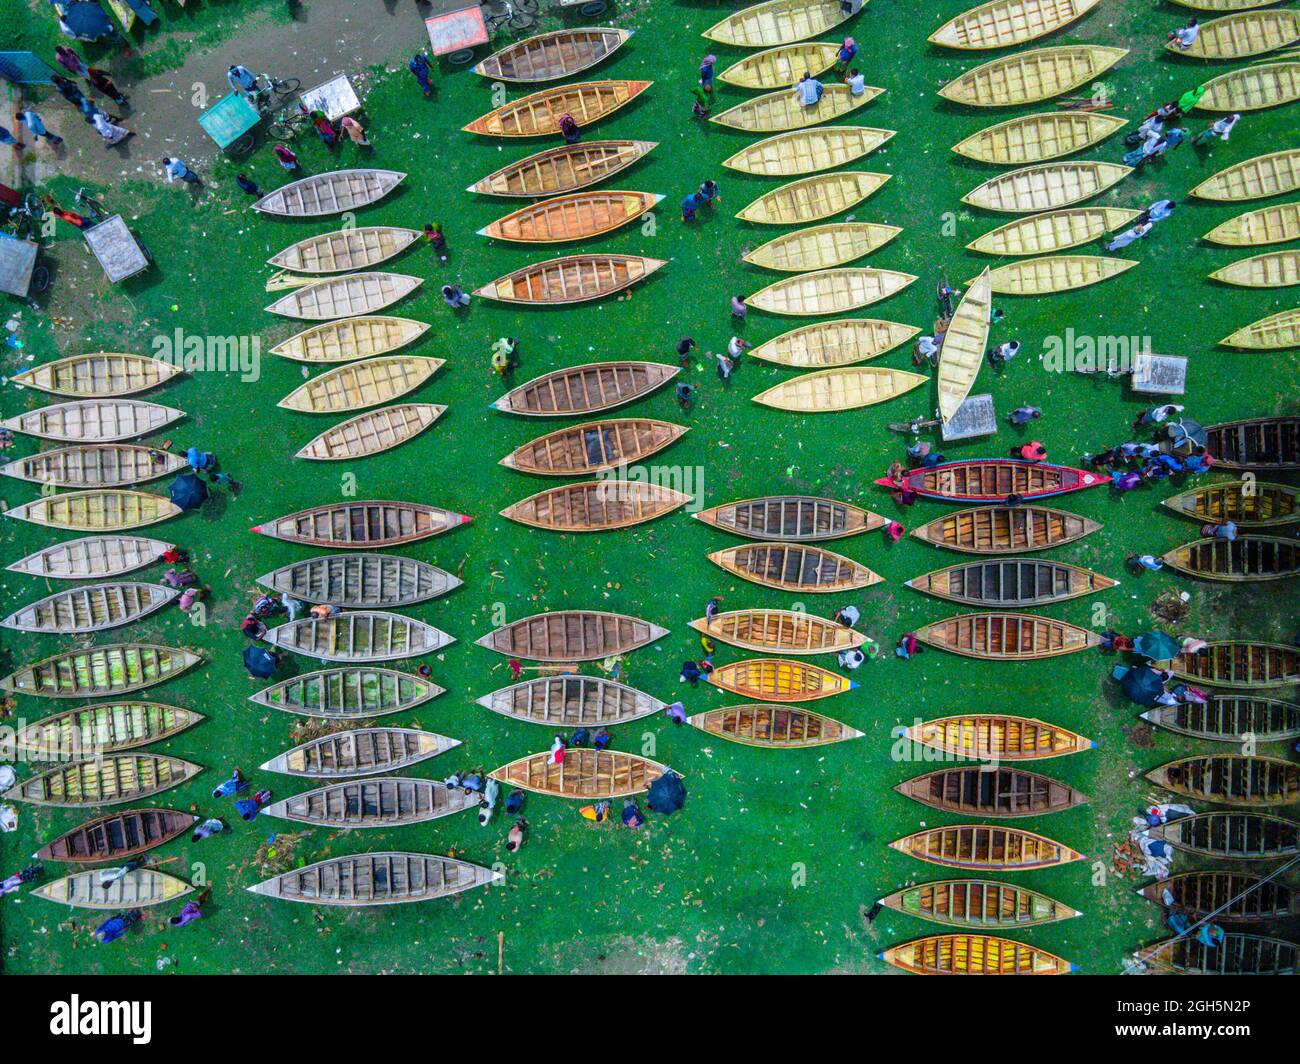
(88, 20)
(1185, 435)
(667, 795)
(1141, 683)
(260, 662)
(188, 491)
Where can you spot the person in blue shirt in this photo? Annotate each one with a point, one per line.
(690, 205)
(809, 90)
(419, 66)
(845, 56)
(241, 79)
(116, 926)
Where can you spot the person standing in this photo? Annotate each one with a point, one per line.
(419, 66)
(112, 134)
(1220, 129)
(845, 56)
(436, 239)
(101, 82)
(738, 308)
(1022, 415)
(569, 129)
(355, 131)
(248, 186)
(175, 169)
(36, 126)
(454, 297)
(1004, 353)
(70, 61)
(706, 73)
(287, 159)
(684, 348)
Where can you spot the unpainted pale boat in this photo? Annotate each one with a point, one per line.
(572, 701)
(1242, 35)
(1005, 529)
(360, 752)
(794, 567)
(98, 375)
(572, 635)
(1220, 5)
(372, 432)
(822, 246)
(596, 506)
(116, 836)
(974, 955)
(103, 728)
(979, 903)
(994, 479)
(1013, 582)
(834, 291)
(777, 22)
(810, 199)
(90, 608)
(363, 580)
(1038, 138)
(363, 384)
(593, 447)
(95, 465)
(351, 338)
(346, 249)
(549, 56)
(1256, 443)
(584, 773)
(1266, 225)
(571, 279)
(378, 802)
(1249, 503)
(791, 518)
(985, 847)
(774, 727)
(329, 193)
(1230, 719)
(991, 791)
(572, 216)
(97, 510)
(1054, 273)
(354, 693)
(1246, 558)
(92, 557)
(779, 680)
(1001, 636)
(1031, 76)
(347, 296)
(116, 669)
(137, 889)
(842, 388)
(827, 344)
(779, 632)
(1045, 187)
(782, 66)
(564, 169)
(997, 737)
(93, 420)
(1060, 230)
(539, 115)
(1233, 835)
(367, 635)
(1228, 897)
(805, 151)
(1234, 954)
(964, 345)
(1264, 175)
(1238, 664)
(1273, 269)
(109, 780)
(1231, 779)
(387, 878)
(586, 389)
(362, 525)
(776, 112)
(1253, 88)
(1003, 23)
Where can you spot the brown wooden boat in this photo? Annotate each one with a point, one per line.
(594, 447)
(1233, 835)
(539, 115)
(572, 635)
(115, 669)
(1232, 897)
(573, 216)
(1246, 558)
(998, 636)
(974, 955)
(549, 56)
(360, 752)
(791, 518)
(564, 169)
(1011, 582)
(102, 728)
(571, 701)
(997, 737)
(596, 506)
(995, 480)
(1257, 443)
(117, 836)
(779, 680)
(779, 632)
(1249, 503)
(780, 727)
(91, 608)
(358, 692)
(372, 432)
(982, 903)
(109, 780)
(985, 847)
(586, 389)
(987, 791)
(584, 773)
(364, 525)
(1231, 779)
(1005, 529)
(95, 465)
(387, 878)
(794, 567)
(571, 279)
(1235, 954)
(378, 802)
(1230, 719)
(1238, 664)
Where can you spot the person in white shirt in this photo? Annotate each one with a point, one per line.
(1219, 129)
(737, 347)
(857, 82)
(1186, 36)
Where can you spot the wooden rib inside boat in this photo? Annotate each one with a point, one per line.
(1246, 558)
(1039, 234)
(1256, 443)
(1276, 224)
(586, 389)
(776, 727)
(1269, 84)
(358, 248)
(362, 384)
(1005, 529)
(571, 701)
(594, 447)
(346, 296)
(779, 680)
(834, 291)
(779, 632)
(1003, 23)
(994, 479)
(1233, 835)
(351, 338)
(981, 903)
(584, 773)
(356, 693)
(103, 728)
(826, 344)
(1055, 273)
(1264, 175)
(329, 193)
(573, 216)
(571, 279)
(108, 670)
(572, 635)
(988, 791)
(999, 636)
(1273, 333)
(1238, 664)
(985, 847)
(97, 510)
(842, 388)
(538, 115)
(810, 199)
(1038, 138)
(108, 780)
(821, 247)
(1229, 897)
(93, 420)
(998, 737)
(97, 465)
(1011, 582)
(366, 635)
(964, 346)
(363, 580)
(368, 525)
(360, 752)
(805, 151)
(92, 557)
(564, 169)
(97, 375)
(372, 433)
(1049, 186)
(791, 518)
(387, 878)
(974, 955)
(1230, 779)
(549, 56)
(1230, 719)
(117, 836)
(1030, 76)
(1250, 503)
(378, 802)
(794, 567)
(596, 506)
(137, 889)
(91, 608)
(1235, 954)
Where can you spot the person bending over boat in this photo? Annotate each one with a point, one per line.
(809, 90)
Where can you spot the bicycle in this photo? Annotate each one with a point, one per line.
(289, 122)
(269, 91)
(91, 207)
(517, 14)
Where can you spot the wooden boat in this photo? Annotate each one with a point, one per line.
(95, 465)
(571, 701)
(998, 737)
(779, 680)
(1273, 333)
(776, 727)
(834, 291)
(1005, 529)
(1003, 23)
(596, 506)
(795, 567)
(571, 279)
(549, 56)
(1230, 779)
(779, 632)
(351, 338)
(1045, 187)
(363, 580)
(387, 878)
(1273, 269)
(109, 780)
(347, 296)
(993, 479)
(1219, 5)
(822, 246)
(116, 669)
(805, 151)
(98, 375)
(964, 346)
(1053, 231)
(586, 389)
(1232, 897)
(1238, 664)
(985, 847)
(1054, 273)
(584, 773)
(1264, 175)
(330, 193)
(90, 608)
(810, 199)
(1247, 558)
(974, 955)
(1012, 582)
(777, 22)
(564, 169)
(783, 66)
(572, 635)
(1038, 138)
(1031, 76)
(538, 115)
(1230, 719)
(1002, 636)
(360, 752)
(1252, 88)
(372, 432)
(1242, 35)
(367, 635)
(93, 420)
(97, 510)
(776, 112)
(593, 447)
(92, 557)
(1235, 954)
(138, 889)
(829, 391)
(362, 384)
(344, 250)
(791, 518)
(1266, 225)
(1234, 835)
(379, 802)
(117, 837)
(827, 344)
(355, 693)
(104, 728)
(982, 903)
(362, 525)
(1256, 443)
(572, 216)
(981, 790)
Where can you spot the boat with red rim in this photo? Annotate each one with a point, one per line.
(994, 480)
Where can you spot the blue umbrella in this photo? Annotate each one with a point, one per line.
(1141, 683)
(188, 491)
(667, 795)
(1156, 646)
(260, 662)
(87, 20)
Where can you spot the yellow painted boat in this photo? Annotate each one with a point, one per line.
(538, 115)
(779, 680)
(777, 68)
(1242, 35)
(1220, 5)
(1273, 269)
(1252, 89)
(1040, 234)
(362, 384)
(810, 199)
(1254, 503)
(1267, 225)
(1265, 175)
(777, 22)
(97, 510)
(1046, 187)
(842, 388)
(826, 344)
(766, 631)
(1055, 273)
(1038, 138)
(822, 246)
(777, 111)
(962, 353)
(97, 375)
(1003, 23)
(834, 291)
(574, 216)
(964, 954)
(1032, 76)
(1273, 333)
(805, 151)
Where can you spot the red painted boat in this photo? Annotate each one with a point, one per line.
(994, 479)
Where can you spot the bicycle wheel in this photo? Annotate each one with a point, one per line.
(522, 19)
(287, 87)
(528, 7)
(242, 146)
(284, 129)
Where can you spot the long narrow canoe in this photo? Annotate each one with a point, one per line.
(1045, 187)
(138, 889)
(994, 479)
(777, 22)
(978, 903)
(355, 693)
(1265, 225)
(1273, 269)
(774, 727)
(362, 580)
(584, 773)
(593, 447)
(564, 169)
(821, 247)
(986, 791)
(1256, 443)
(796, 567)
(1040, 234)
(93, 420)
(329, 193)
(1240, 36)
(986, 848)
(1252, 88)
(386, 878)
(360, 752)
(1003, 23)
(1277, 331)
(344, 250)
(781, 632)
(827, 344)
(805, 151)
(117, 669)
(779, 680)
(1003, 636)
(777, 112)
(1230, 897)
(1230, 719)
(791, 518)
(997, 737)
(103, 728)
(364, 636)
(95, 465)
(1011, 583)
(836, 291)
(362, 384)
(571, 279)
(351, 338)
(1220, 5)
(572, 216)
(371, 433)
(1005, 529)
(92, 557)
(1235, 954)
(90, 608)
(586, 389)
(810, 199)
(572, 635)
(97, 375)
(1230, 779)
(572, 701)
(1054, 273)
(1238, 664)
(974, 955)
(964, 345)
(550, 56)
(538, 115)
(781, 67)
(346, 296)
(97, 510)
(109, 780)
(1264, 175)
(1038, 138)
(362, 525)
(596, 506)
(116, 837)
(1233, 835)
(380, 802)
(1246, 558)
(1032, 76)
(842, 388)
